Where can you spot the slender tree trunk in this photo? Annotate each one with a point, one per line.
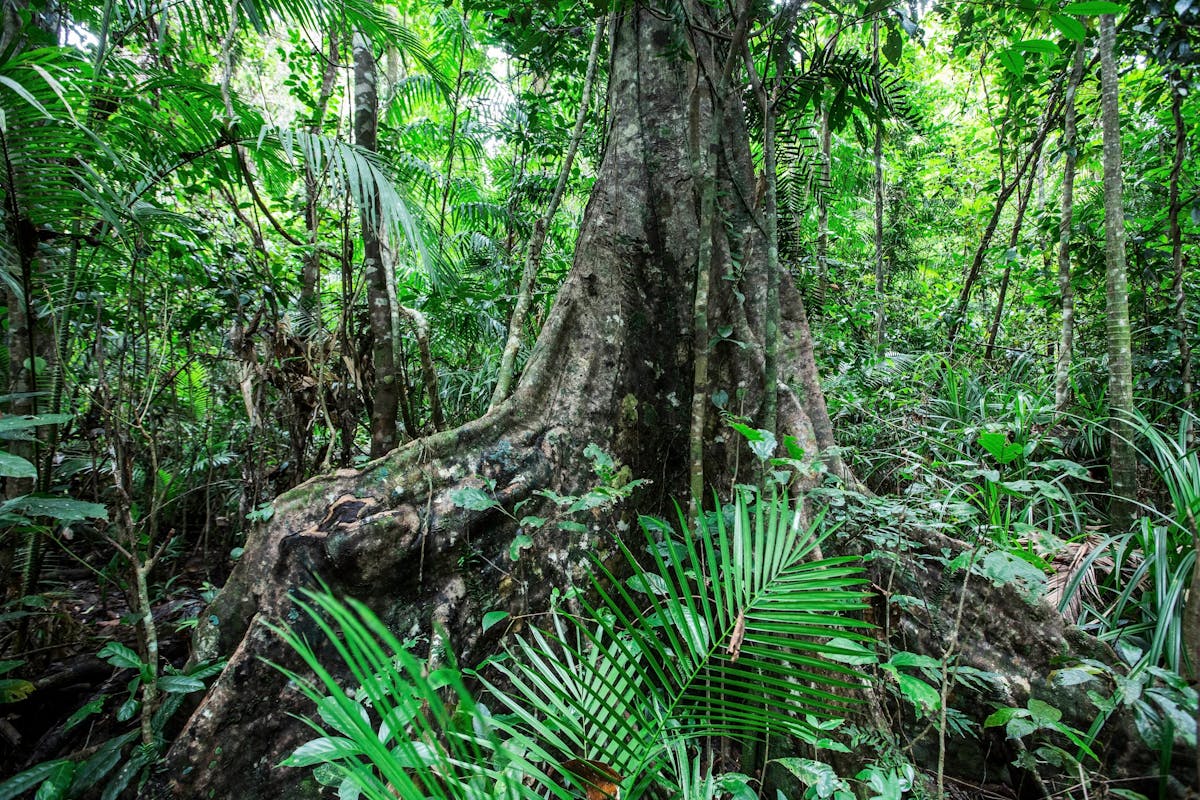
(541, 228)
(958, 316)
(1011, 257)
(877, 158)
(1175, 235)
(452, 144)
(310, 276)
(31, 336)
(823, 192)
(385, 398)
(704, 151)
(770, 217)
(428, 371)
(1191, 618)
(1062, 368)
(1123, 458)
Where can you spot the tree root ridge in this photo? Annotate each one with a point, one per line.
(997, 628)
(390, 535)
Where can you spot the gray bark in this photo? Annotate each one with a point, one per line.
(1122, 455)
(1062, 368)
(385, 396)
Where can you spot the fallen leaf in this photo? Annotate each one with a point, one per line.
(739, 633)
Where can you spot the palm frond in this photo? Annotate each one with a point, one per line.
(373, 186)
(1078, 570)
(400, 732)
(726, 633)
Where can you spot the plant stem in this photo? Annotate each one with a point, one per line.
(541, 228)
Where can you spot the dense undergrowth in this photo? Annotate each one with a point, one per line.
(184, 367)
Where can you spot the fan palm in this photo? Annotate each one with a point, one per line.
(726, 631)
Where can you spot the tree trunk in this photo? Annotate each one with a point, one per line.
(614, 367)
(1062, 368)
(30, 339)
(1122, 455)
(877, 159)
(310, 274)
(385, 399)
(541, 229)
(824, 190)
(1175, 236)
(959, 316)
(1014, 241)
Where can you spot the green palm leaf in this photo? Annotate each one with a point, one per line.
(402, 732)
(725, 633)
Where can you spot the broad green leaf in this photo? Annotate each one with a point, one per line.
(8, 665)
(924, 697)
(519, 543)
(648, 583)
(493, 617)
(128, 710)
(751, 434)
(855, 654)
(738, 786)
(13, 466)
(1070, 27)
(907, 659)
(57, 782)
(180, 684)
(1039, 46)
(1072, 676)
(1020, 727)
(792, 445)
(101, 762)
(816, 775)
(349, 789)
(24, 781)
(1094, 8)
(14, 690)
(1071, 468)
(94, 706)
(893, 47)
(1013, 61)
(1001, 567)
(119, 655)
(890, 784)
(593, 499)
(61, 508)
(473, 499)
(321, 750)
(1003, 715)
(998, 445)
(138, 759)
(1042, 712)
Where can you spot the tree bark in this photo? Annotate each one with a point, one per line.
(385, 399)
(1122, 455)
(1062, 368)
(824, 189)
(959, 315)
(877, 159)
(1175, 236)
(614, 367)
(537, 241)
(1014, 240)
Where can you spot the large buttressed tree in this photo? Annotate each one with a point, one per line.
(615, 366)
